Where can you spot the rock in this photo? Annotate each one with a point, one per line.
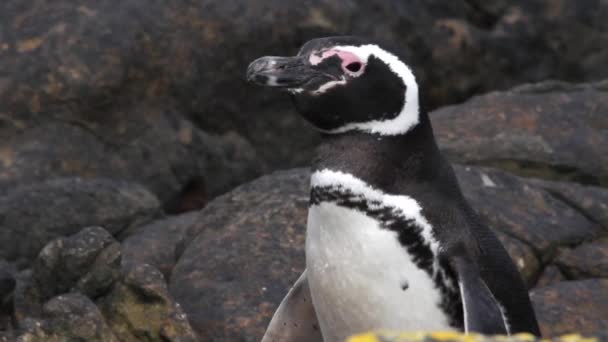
(548, 130)
(510, 205)
(69, 317)
(148, 145)
(7, 285)
(156, 243)
(139, 307)
(589, 260)
(92, 61)
(523, 256)
(250, 259)
(87, 262)
(7, 279)
(551, 275)
(591, 201)
(31, 216)
(448, 336)
(573, 306)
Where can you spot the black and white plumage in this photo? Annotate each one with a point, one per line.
(391, 242)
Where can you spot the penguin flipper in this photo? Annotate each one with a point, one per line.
(295, 320)
(482, 312)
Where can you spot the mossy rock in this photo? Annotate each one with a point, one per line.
(459, 337)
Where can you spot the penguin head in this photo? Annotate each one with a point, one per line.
(342, 84)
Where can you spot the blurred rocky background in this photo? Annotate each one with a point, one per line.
(122, 122)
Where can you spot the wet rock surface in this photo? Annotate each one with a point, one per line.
(550, 130)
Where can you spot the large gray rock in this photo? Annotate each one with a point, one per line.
(87, 262)
(78, 289)
(139, 308)
(158, 243)
(513, 206)
(591, 201)
(245, 251)
(68, 317)
(150, 145)
(588, 260)
(31, 216)
(549, 130)
(573, 307)
(90, 60)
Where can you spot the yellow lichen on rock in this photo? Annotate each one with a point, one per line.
(449, 336)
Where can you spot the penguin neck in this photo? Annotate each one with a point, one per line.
(383, 160)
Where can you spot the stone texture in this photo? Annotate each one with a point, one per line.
(7, 285)
(549, 130)
(573, 306)
(31, 216)
(250, 259)
(69, 317)
(510, 205)
(150, 145)
(591, 201)
(589, 260)
(87, 262)
(139, 308)
(156, 243)
(523, 256)
(551, 275)
(95, 59)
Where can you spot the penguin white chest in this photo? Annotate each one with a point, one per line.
(362, 278)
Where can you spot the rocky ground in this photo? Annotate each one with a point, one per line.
(122, 123)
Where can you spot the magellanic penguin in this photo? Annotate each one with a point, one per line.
(391, 243)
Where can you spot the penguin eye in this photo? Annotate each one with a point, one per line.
(353, 67)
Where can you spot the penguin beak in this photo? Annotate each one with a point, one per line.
(283, 72)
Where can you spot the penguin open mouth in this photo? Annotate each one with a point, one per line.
(283, 72)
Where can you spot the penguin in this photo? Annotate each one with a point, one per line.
(391, 242)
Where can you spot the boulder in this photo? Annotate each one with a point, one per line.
(591, 201)
(78, 289)
(551, 275)
(96, 59)
(519, 209)
(157, 243)
(589, 260)
(87, 262)
(32, 215)
(68, 317)
(252, 258)
(150, 145)
(549, 130)
(7, 285)
(237, 268)
(523, 256)
(139, 307)
(573, 306)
